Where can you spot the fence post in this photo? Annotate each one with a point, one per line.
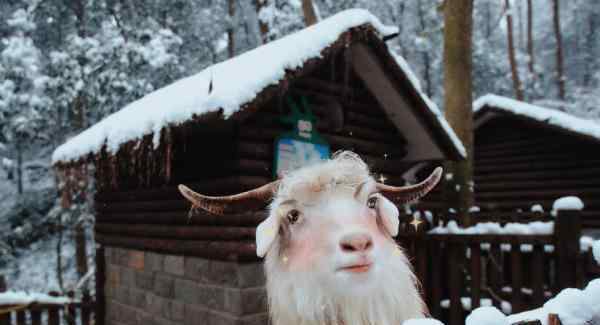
(4, 318)
(100, 307)
(567, 232)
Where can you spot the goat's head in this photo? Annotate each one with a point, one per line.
(328, 237)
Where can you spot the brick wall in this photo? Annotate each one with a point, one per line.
(144, 288)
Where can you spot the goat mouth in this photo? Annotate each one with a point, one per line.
(356, 268)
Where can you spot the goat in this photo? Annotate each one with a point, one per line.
(330, 256)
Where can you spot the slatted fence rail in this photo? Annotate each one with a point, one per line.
(512, 272)
(80, 313)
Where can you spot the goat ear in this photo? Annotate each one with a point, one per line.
(266, 232)
(389, 215)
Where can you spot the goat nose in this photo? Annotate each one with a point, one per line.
(356, 242)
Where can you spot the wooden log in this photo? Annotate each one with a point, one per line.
(498, 186)
(219, 186)
(364, 146)
(475, 275)
(177, 232)
(537, 275)
(369, 122)
(255, 150)
(328, 87)
(224, 251)
(373, 134)
(537, 175)
(539, 193)
(142, 206)
(517, 278)
(171, 218)
(536, 165)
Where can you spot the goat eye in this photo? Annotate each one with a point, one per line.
(372, 202)
(293, 216)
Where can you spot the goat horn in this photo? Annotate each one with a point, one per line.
(245, 201)
(407, 194)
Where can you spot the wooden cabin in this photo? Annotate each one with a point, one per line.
(216, 132)
(528, 155)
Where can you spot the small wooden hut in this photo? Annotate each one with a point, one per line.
(527, 155)
(216, 132)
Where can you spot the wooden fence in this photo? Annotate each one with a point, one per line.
(459, 272)
(80, 313)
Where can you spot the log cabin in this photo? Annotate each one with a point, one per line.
(217, 132)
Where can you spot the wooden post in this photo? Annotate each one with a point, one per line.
(455, 250)
(100, 279)
(4, 318)
(567, 231)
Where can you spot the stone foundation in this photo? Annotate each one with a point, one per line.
(144, 288)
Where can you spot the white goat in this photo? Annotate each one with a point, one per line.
(330, 255)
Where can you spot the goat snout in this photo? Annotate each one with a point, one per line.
(356, 243)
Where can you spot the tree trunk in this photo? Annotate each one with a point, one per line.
(458, 24)
(559, 54)
(80, 251)
(59, 268)
(530, 38)
(520, 25)
(264, 28)
(511, 53)
(425, 54)
(231, 30)
(19, 168)
(310, 17)
(590, 49)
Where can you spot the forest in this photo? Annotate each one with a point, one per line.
(66, 64)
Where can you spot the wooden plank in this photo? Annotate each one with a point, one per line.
(100, 303)
(454, 283)
(177, 232)
(36, 317)
(517, 278)
(535, 165)
(174, 218)
(54, 315)
(475, 273)
(499, 186)
(537, 275)
(21, 317)
(436, 279)
(567, 231)
(495, 271)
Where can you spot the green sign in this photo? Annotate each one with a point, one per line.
(302, 146)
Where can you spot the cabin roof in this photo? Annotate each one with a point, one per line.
(221, 89)
(491, 106)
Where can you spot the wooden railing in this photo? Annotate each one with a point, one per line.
(512, 272)
(81, 313)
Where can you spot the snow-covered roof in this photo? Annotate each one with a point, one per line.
(25, 298)
(548, 116)
(189, 97)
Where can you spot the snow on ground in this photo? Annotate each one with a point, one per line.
(486, 316)
(573, 306)
(596, 250)
(422, 321)
(180, 101)
(538, 113)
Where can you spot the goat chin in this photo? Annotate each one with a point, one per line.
(302, 299)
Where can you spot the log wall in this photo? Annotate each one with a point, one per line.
(519, 164)
(231, 156)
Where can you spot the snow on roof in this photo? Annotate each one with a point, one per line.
(430, 104)
(180, 101)
(24, 298)
(568, 203)
(546, 115)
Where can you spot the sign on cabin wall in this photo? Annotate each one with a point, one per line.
(302, 146)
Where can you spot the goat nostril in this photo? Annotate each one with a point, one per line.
(356, 243)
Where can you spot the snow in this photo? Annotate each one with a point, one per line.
(188, 97)
(25, 298)
(596, 251)
(532, 228)
(422, 321)
(486, 316)
(484, 302)
(537, 208)
(573, 307)
(538, 113)
(568, 203)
